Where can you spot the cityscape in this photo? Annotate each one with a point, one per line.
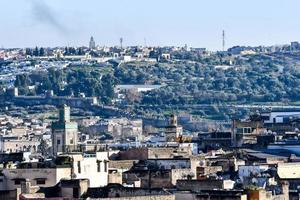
(147, 121)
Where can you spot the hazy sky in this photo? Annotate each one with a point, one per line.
(198, 23)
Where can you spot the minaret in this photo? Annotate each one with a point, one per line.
(64, 132)
(92, 44)
(64, 114)
(173, 130)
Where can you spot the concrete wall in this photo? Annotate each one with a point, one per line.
(288, 170)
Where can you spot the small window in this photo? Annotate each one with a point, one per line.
(105, 166)
(79, 167)
(98, 166)
(17, 182)
(71, 141)
(58, 141)
(40, 181)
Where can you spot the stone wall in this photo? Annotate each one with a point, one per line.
(150, 197)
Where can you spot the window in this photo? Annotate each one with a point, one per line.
(79, 167)
(71, 141)
(40, 181)
(98, 165)
(247, 130)
(58, 141)
(17, 182)
(105, 165)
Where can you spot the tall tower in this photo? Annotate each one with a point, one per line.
(223, 40)
(64, 132)
(173, 131)
(121, 43)
(92, 44)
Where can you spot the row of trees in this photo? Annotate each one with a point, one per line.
(253, 79)
(35, 52)
(69, 82)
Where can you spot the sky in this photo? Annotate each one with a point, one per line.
(197, 23)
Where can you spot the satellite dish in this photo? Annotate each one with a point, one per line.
(201, 163)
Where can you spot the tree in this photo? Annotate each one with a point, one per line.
(44, 148)
(28, 52)
(36, 51)
(42, 52)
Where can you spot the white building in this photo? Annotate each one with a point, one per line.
(279, 117)
(91, 166)
(138, 88)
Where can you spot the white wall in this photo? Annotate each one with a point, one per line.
(273, 115)
(89, 168)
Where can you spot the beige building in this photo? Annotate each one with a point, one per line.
(11, 178)
(122, 127)
(10, 144)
